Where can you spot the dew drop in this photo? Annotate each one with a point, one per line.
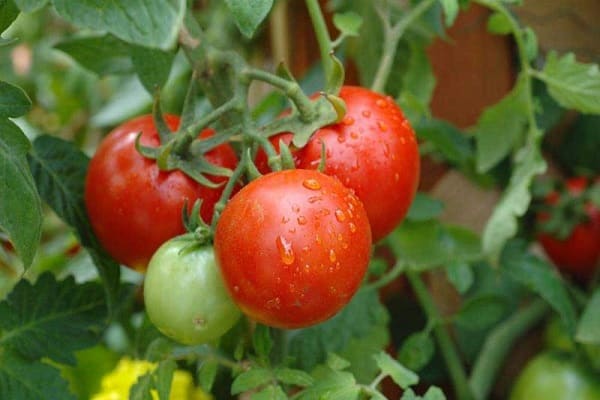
(236, 288)
(348, 120)
(366, 113)
(274, 303)
(339, 215)
(382, 126)
(341, 138)
(381, 103)
(396, 177)
(318, 239)
(311, 184)
(292, 230)
(285, 220)
(295, 208)
(340, 237)
(352, 227)
(314, 199)
(402, 140)
(301, 220)
(324, 212)
(285, 250)
(354, 135)
(332, 256)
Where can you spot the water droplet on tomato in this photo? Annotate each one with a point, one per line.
(311, 184)
(340, 237)
(341, 138)
(381, 103)
(354, 135)
(301, 220)
(314, 199)
(339, 215)
(295, 208)
(366, 113)
(236, 288)
(396, 177)
(348, 120)
(352, 227)
(274, 303)
(382, 126)
(285, 220)
(332, 256)
(285, 250)
(402, 140)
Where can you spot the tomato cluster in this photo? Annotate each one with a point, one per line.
(290, 248)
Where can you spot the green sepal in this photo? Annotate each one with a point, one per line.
(164, 133)
(336, 76)
(287, 159)
(284, 72)
(188, 110)
(251, 171)
(323, 159)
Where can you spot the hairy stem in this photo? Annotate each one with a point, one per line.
(323, 38)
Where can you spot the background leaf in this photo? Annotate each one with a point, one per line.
(153, 23)
(588, 328)
(30, 5)
(52, 318)
(152, 66)
(450, 10)
(20, 206)
(8, 13)
(14, 102)
(399, 373)
(572, 84)
(102, 55)
(249, 14)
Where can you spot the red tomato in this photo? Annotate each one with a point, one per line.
(577, 255)
(372, 151)
(132, 205)
(293, 247)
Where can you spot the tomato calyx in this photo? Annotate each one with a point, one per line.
(199, 232)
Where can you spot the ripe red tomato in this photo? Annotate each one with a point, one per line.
(133, 206)
(578, 254)
(293, 247)
(373, 151)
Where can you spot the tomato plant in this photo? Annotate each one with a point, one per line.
(556, 376)
(133, 206)
(373, 151)
(293, 247)
(571, 237)
(184, 293)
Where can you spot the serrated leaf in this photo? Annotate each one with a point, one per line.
(447, 139)
(499, 24)
(424, 208)
(59, 170)
(271, 392)
(103, 55)
(481, 312)
(52, 318)
(419, 79)
(310, 346)
(399, 373)
(8, 13)
(30, 5)
(332, 385)
(515, 201)
(572, 84)
(249, 14)
(539, 276)
(416, 351)
(450, 10)
(153, 23)
(348, 23)
(31, 380)
(500, 128)
(588, 328)
(141, 389)
(207, 373)
(250, 379)
(152, 66)
(20, 206)
(293, 377)
(434, 393)
(359, 351)
(336, 362)
(459, 273)
(14, 102)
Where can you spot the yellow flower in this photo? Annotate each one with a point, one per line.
(116, 385)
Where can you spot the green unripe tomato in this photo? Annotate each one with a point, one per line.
(554, 376)
(184, 293)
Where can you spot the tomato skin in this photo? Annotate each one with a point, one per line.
(133, 206)
(184, 293)
(579, 254)
(373, 151)
(554, 376)
(293, 247)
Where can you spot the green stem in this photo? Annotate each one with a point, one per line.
(389, 276)
(498, 344)
(391, 37)
(446, 345)
(323, 38)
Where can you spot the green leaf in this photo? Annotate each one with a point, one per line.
(30, 5)
(153, 23)
(572, 84)
(271, 392)
(14, 102)
(59, 170)
(429, 244)
(163, 376)
(8, 13)
(588, 328)
(20, 206)
(481, 312)
(499, 24)
(31, 380)
(152, 66)
(459, 273)
(416, 351)
(501, 127)
(399, 373)
(434, 393)
(249, 14)
(262, 341)
(207, 373)
(251, 379)
(52, 318)
(447, 139)
(142, 388)
(332, 385)
(450, 10)
(103, 55)
(348, 23)
(515, 200)
(293, 377)
(419, 79)
(424, 208)
(531, 43)
(336, 362)
(540, 277)
(310, 346)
